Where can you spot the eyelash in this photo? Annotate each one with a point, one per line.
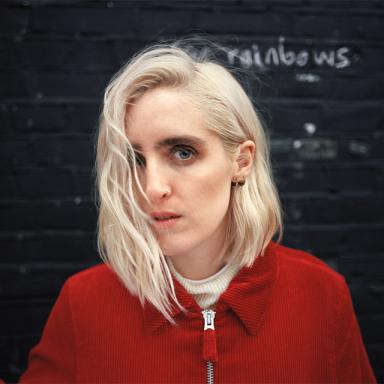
(140, 159)
(185, 148)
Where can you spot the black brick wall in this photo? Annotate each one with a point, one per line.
(322, 82)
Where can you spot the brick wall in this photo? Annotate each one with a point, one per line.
(321, 92)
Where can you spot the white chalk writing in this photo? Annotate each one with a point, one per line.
(278, 55)
(307, 77)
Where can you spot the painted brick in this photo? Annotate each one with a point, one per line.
(376, 353)
(5, 118)
(363, 208)
(332, 88)
(40, 282)
(328, 239)
(314, 68)
(83, 118)
(358, 116)
(13, 320)
(68, 118)
(14, 20)
(290, 149)
(96, 21)
(339, 24)
(59, 214)
(45, 85)
(41, 183)
(48, 247)
(328, 149)
(371, 330)
(329, 118)
(8, 53)
(366, 299)
(67, 54)
(14, 353)
(330, 178)
(13, 85)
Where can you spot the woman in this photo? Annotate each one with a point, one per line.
(193, 289)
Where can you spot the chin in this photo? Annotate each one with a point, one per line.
(170, 247)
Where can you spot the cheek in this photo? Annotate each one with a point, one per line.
(214, 195)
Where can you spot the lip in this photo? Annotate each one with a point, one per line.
(164, 219)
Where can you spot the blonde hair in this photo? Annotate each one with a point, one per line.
(125, 240)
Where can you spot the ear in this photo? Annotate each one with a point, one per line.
(244, 160)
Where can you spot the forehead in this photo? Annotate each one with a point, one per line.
(163, 112)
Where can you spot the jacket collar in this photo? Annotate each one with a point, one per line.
(248, 295)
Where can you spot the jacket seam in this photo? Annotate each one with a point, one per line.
(335, 322)
(75, 341)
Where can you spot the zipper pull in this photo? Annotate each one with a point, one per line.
(209, 336)
(209, 319)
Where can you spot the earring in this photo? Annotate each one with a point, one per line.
(238, 183)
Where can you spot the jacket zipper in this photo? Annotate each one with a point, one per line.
(209, 347)
(210, 375)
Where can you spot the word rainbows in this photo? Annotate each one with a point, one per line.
(270, 56)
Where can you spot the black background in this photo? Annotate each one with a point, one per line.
(321, 93)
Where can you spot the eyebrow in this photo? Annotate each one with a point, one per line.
(168, 142)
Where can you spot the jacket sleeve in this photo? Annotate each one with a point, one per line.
(352, 363)
(53, 359)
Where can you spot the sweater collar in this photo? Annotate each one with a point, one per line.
(248, 295)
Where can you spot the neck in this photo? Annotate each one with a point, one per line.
(198, 269)
(202, 262)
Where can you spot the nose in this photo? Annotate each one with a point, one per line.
(157, 186)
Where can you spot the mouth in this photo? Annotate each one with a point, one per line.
(164, 219)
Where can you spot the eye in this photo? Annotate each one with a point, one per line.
(139, 159)
(183, 153)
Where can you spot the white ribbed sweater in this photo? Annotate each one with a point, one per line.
(206, 292)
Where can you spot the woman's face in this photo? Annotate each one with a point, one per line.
(184, 171)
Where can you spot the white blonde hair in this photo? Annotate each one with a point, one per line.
(125, 239)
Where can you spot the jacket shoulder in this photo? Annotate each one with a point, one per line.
(96, 282)
(300, 260)
(98, 273)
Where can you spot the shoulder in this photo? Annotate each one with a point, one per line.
(309, 280)
(99, 283)
(95, 294)
(303, 266)
(95, 272)
(95, 275)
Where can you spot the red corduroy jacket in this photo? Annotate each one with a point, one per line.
(287, 319)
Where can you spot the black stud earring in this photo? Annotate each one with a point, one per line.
(237, 183)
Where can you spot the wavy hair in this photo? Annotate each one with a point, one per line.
(126, 241)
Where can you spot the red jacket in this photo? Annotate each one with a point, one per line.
(287, 319)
